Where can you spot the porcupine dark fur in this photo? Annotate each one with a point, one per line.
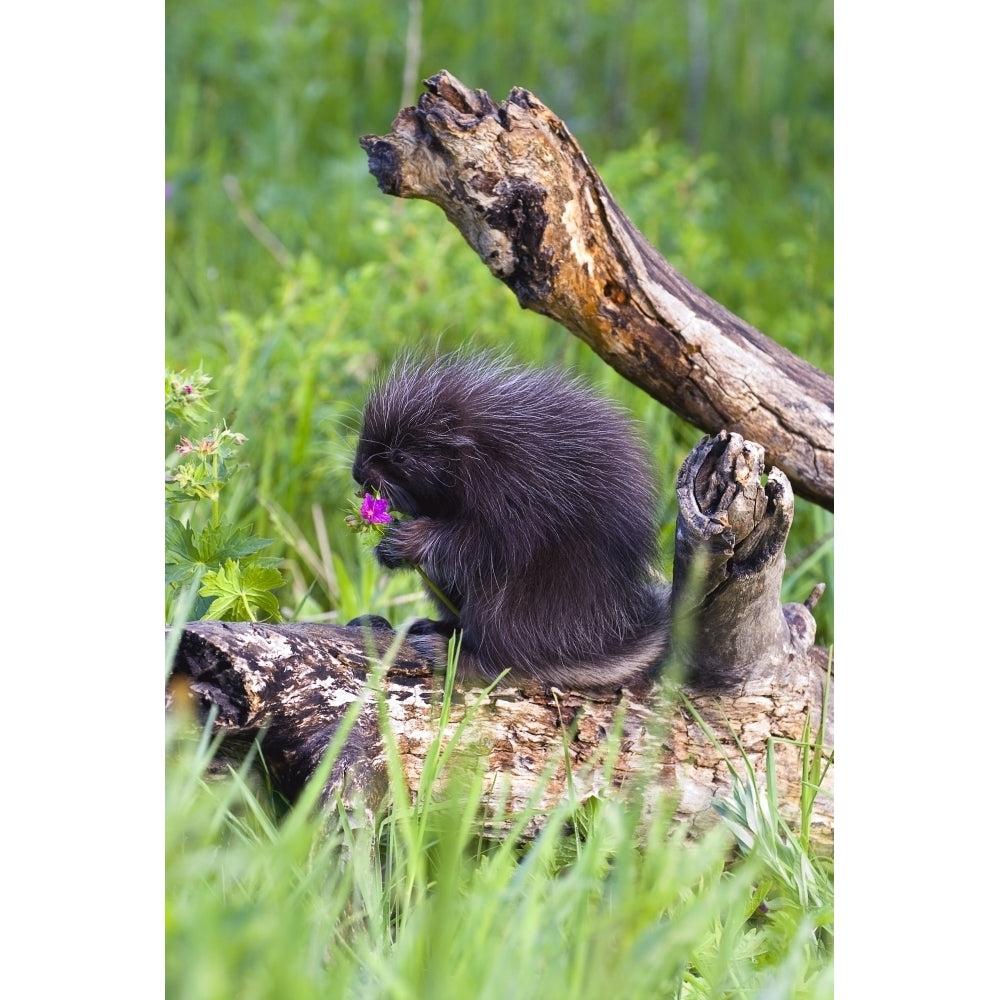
(530, 506)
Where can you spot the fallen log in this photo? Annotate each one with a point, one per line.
(519, 188)
(295, 681)
(753, 683)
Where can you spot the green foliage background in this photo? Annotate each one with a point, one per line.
(712, 123)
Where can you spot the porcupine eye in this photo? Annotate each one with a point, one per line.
(402, 469)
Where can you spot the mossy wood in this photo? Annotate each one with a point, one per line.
(519, 188)
(752, 675)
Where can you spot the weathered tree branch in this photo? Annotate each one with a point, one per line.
(519, 188)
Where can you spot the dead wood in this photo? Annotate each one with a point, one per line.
(752, 675)
(729, 560)
(519, 188)
(296, 682)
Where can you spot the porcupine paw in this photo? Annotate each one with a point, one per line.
(370, 621)
(388, 554)
(430, 639)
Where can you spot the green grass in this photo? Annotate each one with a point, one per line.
(611, 898)
(290, 279)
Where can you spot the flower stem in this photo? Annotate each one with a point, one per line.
(215, 499)
(437, 591)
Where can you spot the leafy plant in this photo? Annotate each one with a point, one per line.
(201, 549)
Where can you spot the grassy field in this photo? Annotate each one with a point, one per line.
(290, 280)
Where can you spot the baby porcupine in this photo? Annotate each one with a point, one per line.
(531, 508)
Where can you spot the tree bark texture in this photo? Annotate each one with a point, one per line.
(519, 188)
(296, 681)
(752, 675)
(729, 560)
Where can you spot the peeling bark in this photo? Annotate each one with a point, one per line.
(517, 185)
(298, 680)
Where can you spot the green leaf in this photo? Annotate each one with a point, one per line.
(181, 546)
(212, 546)
(243, 593)
(217, 544)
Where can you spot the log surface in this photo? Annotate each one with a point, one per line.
(297, 681)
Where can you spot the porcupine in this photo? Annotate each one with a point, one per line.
(530, 505)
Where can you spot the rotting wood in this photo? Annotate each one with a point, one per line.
(296, 681)
(519, 188)
(752, 672)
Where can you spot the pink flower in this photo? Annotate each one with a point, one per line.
(375, 510)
